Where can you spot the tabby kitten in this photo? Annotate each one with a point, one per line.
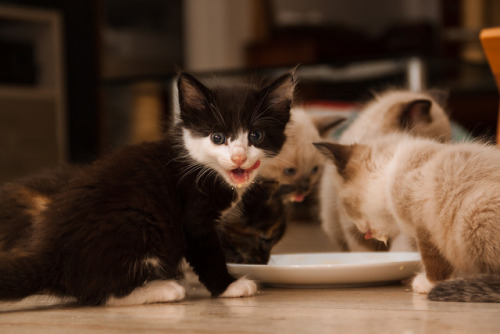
(250, 230)
(444, 196)
(394, 111)
(117, 230)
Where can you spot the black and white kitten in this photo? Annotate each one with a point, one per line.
(114, 232)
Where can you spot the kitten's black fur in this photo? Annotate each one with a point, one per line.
(250, 230)
(93, 229)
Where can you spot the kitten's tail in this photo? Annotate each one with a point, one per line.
(21, 276)
(478, 289)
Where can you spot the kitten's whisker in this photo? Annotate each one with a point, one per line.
(269, 106)
(257, 107)
(278, 169)
(217, 113)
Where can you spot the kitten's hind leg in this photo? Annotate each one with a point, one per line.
(160, 291)
(242, 287)
(437, 268)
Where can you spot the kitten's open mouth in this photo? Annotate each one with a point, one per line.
(240, 176)
(369, 235)
(292, 193)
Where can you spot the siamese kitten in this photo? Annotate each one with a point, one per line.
(114, 232)
(394, 111)
(249, 231)
(297, 167)
(444, 196)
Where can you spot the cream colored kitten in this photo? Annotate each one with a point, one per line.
(418, 113)
(395, 111)
(298, 167)
(446, 197)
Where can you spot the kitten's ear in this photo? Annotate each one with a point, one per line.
(415, 112)
(192, 93)
(279, 93)
(326, 124)
(339, 154)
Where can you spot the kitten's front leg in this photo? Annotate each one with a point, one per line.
(242, 287)
(437, 268)
(160, 291)
(207, 258)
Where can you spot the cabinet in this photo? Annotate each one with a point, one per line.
(32, 113)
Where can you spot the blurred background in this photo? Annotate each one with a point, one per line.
(80, 77)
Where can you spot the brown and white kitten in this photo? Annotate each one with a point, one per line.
(114, 232)
(444, 196)
(252, 228)
(394, 111)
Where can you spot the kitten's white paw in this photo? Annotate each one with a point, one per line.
(241, 288)
(421, 283)
(152, 292)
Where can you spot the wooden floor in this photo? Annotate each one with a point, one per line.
(382, 309)
(386, 309)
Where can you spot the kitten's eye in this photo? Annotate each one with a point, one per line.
(289, 171)
(256, 137)
(315, 170)
(218, 138)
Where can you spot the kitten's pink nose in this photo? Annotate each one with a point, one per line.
(239, 158)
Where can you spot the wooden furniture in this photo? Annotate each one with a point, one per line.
(490, 38)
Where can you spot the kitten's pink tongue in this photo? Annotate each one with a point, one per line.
(240, 176)
(368, 235)
(298, 198)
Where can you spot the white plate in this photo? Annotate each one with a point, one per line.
(331, 269)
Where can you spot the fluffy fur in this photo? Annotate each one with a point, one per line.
(443, 196)
(250, 230)
(394, 111)
(114, 232)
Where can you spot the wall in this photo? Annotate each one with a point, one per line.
(216, 33)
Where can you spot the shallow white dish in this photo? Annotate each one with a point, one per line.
(331, 269)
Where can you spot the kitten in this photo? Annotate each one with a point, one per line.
(297, 167)
(258, 222)
(250, 230)
(116, 231)
(443, 196)
(394, 111)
